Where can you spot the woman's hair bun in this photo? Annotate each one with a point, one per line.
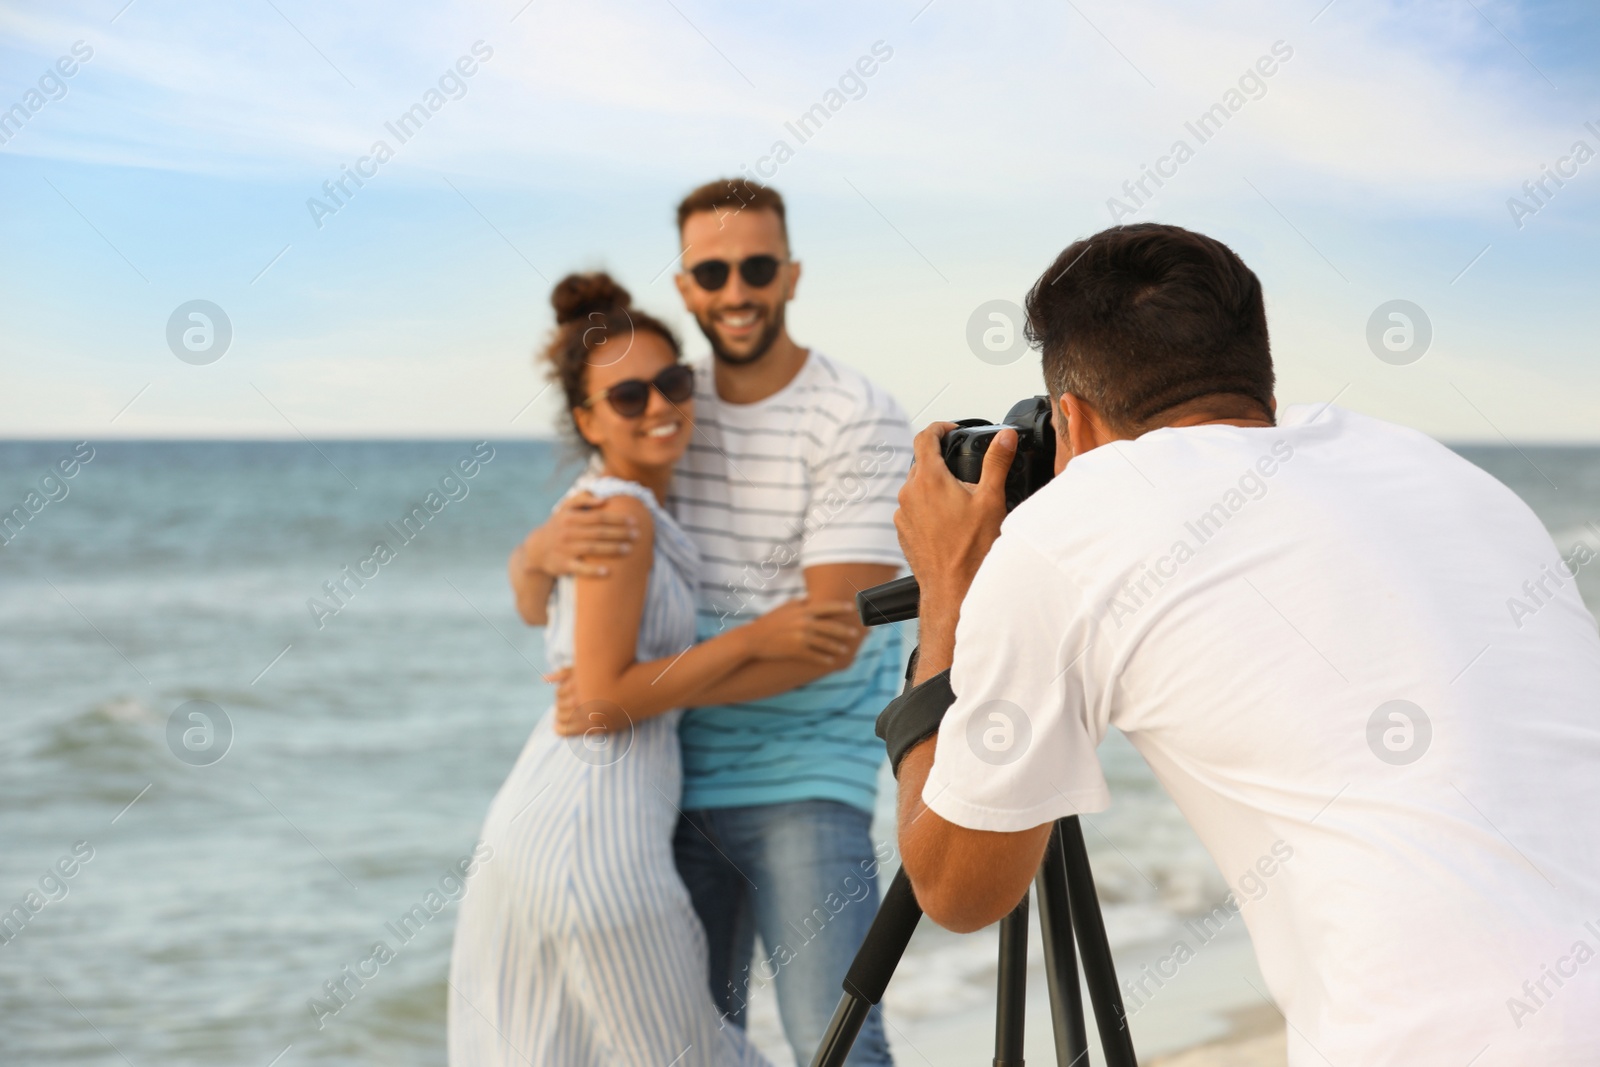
(573, 343)
(578, 295)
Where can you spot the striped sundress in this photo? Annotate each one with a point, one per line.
(576, 943)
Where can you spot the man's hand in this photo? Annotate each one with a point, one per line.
(824, 633)
(567, 718)
(578, 538)
(567, 721)
(819, 635)
(946, 527)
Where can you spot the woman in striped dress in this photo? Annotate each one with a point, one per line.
(576, 943)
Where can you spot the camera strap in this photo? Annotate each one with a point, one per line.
(914, 716)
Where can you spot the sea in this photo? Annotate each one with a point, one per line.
(228, 768)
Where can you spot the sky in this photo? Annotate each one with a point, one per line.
(1358, 154)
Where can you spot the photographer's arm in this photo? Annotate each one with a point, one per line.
(964, 879)
(946, 527)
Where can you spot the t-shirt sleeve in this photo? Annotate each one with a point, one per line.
(855, 480)
(1017, 748)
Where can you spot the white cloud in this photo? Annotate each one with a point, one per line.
(1384, 100)
(993, 137)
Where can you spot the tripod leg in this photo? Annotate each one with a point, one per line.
(1099, 972)
(1011, 999)
(869, 973)
(1060, 958)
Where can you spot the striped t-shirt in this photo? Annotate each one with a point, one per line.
(806, 476)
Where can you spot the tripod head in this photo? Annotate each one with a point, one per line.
(963, 450)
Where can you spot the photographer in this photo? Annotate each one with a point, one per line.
(1300, 620)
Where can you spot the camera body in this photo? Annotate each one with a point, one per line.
(963, 449)
(1032, 466)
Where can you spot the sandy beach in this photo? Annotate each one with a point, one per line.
(1257, 1040)
(940, 1006)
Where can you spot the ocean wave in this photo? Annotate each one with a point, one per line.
(116, 734)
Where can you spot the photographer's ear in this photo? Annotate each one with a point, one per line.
(1060, 419)
(1085, 429)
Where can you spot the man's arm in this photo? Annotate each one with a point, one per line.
(616, 689)
(530, 585)
(757, 681)
(964, 879)
(847, 545)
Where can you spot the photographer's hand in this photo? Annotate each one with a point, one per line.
(946, 527)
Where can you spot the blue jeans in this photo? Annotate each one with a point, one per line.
(803, 875)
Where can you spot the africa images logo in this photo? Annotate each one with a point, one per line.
(999, 732)
(1399, 732)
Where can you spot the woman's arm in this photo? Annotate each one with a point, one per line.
(767, 678)
(577, 539)
(609, 612)
(610, 688)
(755, 679)
(760, 679)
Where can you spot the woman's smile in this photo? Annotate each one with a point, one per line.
(665, 429)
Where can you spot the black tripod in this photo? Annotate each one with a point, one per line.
(1067, 905)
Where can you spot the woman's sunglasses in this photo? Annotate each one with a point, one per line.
(630, 397)
(757, 272)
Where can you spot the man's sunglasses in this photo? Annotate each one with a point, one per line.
(757, 272)
(630, 397)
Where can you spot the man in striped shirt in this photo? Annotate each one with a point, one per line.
(789, 490)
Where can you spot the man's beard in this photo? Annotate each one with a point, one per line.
(763, 342)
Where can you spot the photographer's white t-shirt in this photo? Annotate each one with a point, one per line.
(1362, 670)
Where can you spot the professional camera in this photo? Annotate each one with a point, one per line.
(1035, 461)
(963, 449)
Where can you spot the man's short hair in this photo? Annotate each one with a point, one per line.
(1139, 319)
(731, 195)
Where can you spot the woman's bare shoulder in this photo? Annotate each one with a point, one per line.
(637, 562)
(630, 507)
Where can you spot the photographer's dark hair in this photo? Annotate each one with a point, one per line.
(593, 312)
(727, 195)
(1139, 319)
